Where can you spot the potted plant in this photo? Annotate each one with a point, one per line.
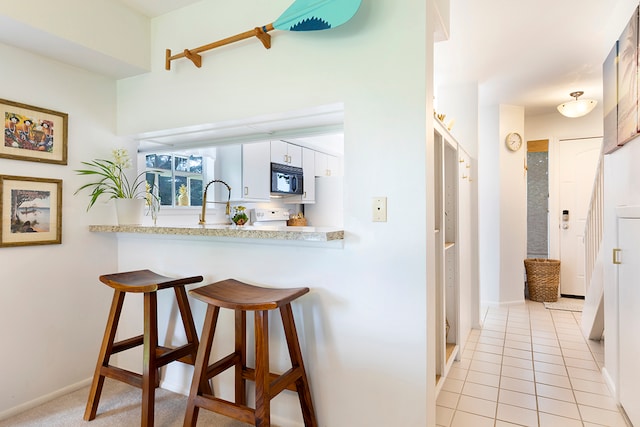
(113, 183)
(239, 217)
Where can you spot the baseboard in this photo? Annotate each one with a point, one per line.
(610, 384)
(176, 388)
(496, 304)
(44, 399)
(572, 296)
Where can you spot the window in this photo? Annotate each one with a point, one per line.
(178, 178)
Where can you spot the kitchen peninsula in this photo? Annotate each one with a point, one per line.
(308, 234)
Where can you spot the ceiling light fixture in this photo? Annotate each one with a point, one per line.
(577, 107)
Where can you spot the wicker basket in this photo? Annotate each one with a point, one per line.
(543, 277)
(297, 222)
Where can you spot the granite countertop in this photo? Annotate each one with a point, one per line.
(310, 234)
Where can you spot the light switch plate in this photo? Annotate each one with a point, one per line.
(379, 209)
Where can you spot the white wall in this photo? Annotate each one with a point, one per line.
(556, 126)
(364, 324)
(489, 204)
(513, 207)
(501, 206)
(460, 104)
(52, 308)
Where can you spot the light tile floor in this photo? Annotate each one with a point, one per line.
(528, 366)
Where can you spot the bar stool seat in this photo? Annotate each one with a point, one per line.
(241, 297)
(154, 356)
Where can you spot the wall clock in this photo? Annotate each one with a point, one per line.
(514, 141)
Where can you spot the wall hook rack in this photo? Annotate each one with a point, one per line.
(194, 54)
(301, 15)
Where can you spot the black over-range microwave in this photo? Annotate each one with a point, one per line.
(286, 179)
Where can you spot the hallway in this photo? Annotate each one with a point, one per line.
(528, 366)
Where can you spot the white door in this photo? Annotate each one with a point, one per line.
(578, 160)
(629, 321)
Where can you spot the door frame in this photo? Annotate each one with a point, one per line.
(554, 199)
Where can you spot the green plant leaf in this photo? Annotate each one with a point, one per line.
(113, 182)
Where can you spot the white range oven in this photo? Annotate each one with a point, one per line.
(275, 217)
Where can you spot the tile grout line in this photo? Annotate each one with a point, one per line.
(564, 363)
(533, 366)
(504, 340)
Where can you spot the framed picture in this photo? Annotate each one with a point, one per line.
(30, 211)
(34, 134)
(628, 81)
(610, 100)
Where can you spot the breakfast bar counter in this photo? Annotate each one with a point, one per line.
(308, 234)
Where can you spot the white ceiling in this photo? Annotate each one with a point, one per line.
(153, 8)
(531, 53)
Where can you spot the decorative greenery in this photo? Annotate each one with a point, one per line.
(113, 181)
(152, 201)
(239, 217)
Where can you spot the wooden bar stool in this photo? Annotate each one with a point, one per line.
(154, 356)
(241, 297)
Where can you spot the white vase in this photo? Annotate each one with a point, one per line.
(130, 211)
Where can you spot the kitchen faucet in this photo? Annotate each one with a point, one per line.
(204, 200)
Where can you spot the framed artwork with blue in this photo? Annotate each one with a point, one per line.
(30, 211)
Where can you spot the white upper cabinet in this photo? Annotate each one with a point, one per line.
(327, 165)
(285, 153)
(256, 172)
(247, 170)
(308, 195)
(309, 176)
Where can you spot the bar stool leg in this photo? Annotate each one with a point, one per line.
(263, 394)
(302, 384)
(201, 366)
(149, 366)
(241, 351)
(187, 321)
(104, 355)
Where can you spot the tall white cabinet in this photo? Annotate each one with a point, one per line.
(626, 257)
(453, 229)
